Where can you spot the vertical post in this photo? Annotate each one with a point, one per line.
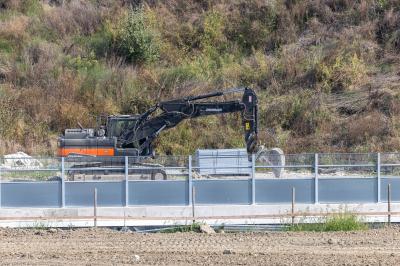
(378, 177)
(62, 182)
(316, 195)
(388, 202)
(193, 204)
(293, 201)
(253, 179)
(190, 181)
(95, 207)
(126, 181)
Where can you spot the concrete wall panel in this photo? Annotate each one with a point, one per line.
(31, 194)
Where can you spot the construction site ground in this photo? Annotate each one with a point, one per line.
(106, 247)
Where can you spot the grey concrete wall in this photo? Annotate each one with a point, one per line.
(347, 190)
(394, 188)
(280, 190)
(31, 194)
(82, 193)
(207, 191)
(163, 192)
(222, 191)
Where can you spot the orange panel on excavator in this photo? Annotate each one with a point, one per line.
(64, 152)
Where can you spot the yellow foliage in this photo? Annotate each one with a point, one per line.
(346, 73)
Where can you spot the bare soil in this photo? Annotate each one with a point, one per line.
(105, 247)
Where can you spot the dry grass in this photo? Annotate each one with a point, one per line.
(15, 28)
(75, 17)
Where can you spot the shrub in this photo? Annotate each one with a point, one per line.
(345, 72)
(344, 222)
(136, 39)
(6, 46)
(213, 40)
(303, 112)
(28, 7)
(177, 77)
(256, 70)
(31, 7)
(195, 227)
(81, 64)
(337, 222)
(101, 42)
(250, 24)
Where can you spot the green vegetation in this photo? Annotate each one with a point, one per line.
(338, 222)
(195, 227)
(40, 225)
(136, 40)
(29, 175)
(326, 72)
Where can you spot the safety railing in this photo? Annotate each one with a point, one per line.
(222, 179)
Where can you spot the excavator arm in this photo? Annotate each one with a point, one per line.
(141, 134)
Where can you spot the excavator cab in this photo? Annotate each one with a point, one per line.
(117, 124)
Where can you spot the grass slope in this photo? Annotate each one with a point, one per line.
(326, 72)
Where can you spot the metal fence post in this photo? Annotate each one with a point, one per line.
(378, 177)
(253, 179)
(126, 181)
(316, 196)
(62, 182)
(190, 180)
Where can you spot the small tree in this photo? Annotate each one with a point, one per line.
(136, 39)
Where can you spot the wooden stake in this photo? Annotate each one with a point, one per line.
(193, 203)
(389, 203)
(293, 201)
(95, 207)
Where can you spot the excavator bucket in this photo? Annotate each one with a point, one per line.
(250, 119)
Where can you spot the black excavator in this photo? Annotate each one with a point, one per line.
(133, 135)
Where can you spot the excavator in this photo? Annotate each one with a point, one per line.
(134, 135)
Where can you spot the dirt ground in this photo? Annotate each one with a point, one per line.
(106, 247)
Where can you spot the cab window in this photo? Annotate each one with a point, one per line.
(118, 126)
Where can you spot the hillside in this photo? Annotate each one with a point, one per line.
(326, 71)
